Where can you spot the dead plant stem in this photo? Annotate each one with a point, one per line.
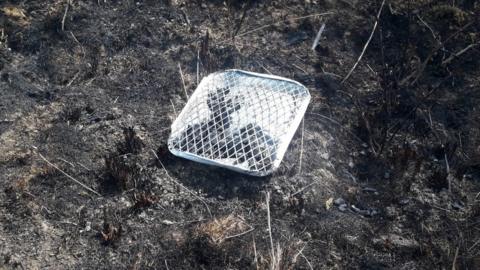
(66, 174)
(301, 148)
(65, 14)
(275, 23)
(267, 199)
(366, 44)
(183, 81)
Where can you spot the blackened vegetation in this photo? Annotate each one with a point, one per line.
(419, 124)
(164, 155)
(110, 233)
(122, 166)
(132, 144)
(143, 200)
(123, 170)
(391, 158)
(111, 229)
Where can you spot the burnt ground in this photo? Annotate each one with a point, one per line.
(389, 175)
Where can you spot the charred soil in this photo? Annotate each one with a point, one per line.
(383, 174)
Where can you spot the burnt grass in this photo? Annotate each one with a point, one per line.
(390, 168)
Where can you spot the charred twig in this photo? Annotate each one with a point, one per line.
(474, 245)
(418, 72)
(337, 123)
(458, 54)
(366, 44)
(299, 68)
(183, 80)
(66, 174)
(80, 44)
(255, 253)
(400, 124)
(66, 161)
(204, 53)
(308, 262)
(298, 253)
(185, 16)
(275, 23)
(242, 19)
(173, 106)
(240, 234)
(302, 189)
(301, 148)
(371, 69)
(73, 78)
(449, 175)
(198, 66)
(267, 199)
(454, 263)
(429, 28)
(264, 68)
(3, 37)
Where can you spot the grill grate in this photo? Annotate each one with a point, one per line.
(240, 120)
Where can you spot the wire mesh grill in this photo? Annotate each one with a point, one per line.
(240, 120)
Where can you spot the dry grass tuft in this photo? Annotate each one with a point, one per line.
(132, 143)
(21, 185)
(16, 14)
(219, 230)
(110, 233)
(122, 170)
(144, 200)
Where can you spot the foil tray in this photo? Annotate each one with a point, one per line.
(240, 120)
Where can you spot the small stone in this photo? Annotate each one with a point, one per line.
(457, 206)
(369, 189)
(404, 201)
(328, 203)
(339, 201)
(167, 222)
(88, 226)
(356, 209)
(372, 212)
(365, 212)
(343, 207)
(125, 202)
